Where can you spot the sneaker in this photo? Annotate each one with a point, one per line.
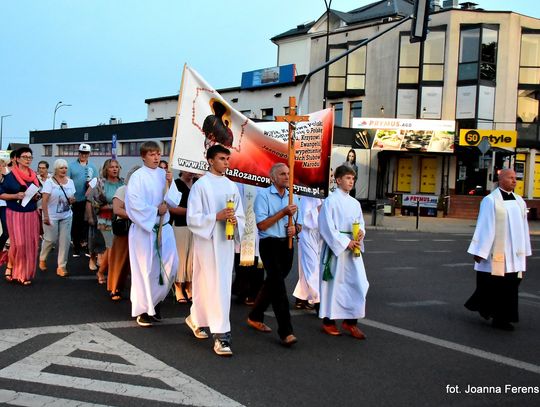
(198, 332)
(144, 320)
(222, 348)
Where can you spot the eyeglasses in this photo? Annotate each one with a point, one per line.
(27, 157)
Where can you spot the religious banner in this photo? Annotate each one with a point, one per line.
(435, 136)
(205, 118)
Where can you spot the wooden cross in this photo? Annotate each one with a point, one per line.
(292, 118)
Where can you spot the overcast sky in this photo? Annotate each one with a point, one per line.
(105, 57)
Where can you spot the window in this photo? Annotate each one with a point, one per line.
(131, 148)
(246, 113)
(433, 56)
(47, 150)
(166, 147)
(102, 149)
(267, 114)
(529, 63)
(338, 113)
(68, 150)
(347, 76)
(355, 111)
(409, 60)
(478, 53)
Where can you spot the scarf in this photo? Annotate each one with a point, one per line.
(24, 178)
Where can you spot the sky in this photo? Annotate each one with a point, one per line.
(105, 57)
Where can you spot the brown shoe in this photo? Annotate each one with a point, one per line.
(331, 330)
(62, 272)
(42, 265)
(289, 340)
(353, 330)
(259, 326)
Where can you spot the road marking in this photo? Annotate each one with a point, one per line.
(28, 399)
(437, 251)
(457, 264)
(527, 295)
(92, 338)
(493, 357)
(400, 268)
(424, 303)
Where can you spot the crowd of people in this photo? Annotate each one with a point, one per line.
(152, 235)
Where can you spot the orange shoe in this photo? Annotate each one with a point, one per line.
(331, 330)
(259, 326)
(42, 265)
(353, 330)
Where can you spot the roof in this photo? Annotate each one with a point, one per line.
(374, 11)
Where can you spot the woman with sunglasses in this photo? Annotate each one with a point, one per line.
(22, 220)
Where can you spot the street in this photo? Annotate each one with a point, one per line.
(62, 341)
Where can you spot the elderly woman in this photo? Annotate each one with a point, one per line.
(119, 253)
(22, 220)
(58, 195)
(99, 207)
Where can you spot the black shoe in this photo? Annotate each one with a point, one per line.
(157, 316)
(505, 326)
(300, 304)
(144, 320)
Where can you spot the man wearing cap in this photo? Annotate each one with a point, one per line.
(80, 171)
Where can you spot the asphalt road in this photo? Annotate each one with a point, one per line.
(63, 342)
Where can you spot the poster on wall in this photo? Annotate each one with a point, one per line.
(466, 102)
(406, 103)
(359, 160)
(410, 135)
(431, 102)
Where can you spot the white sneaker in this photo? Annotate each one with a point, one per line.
(222, 348)
(198, 332)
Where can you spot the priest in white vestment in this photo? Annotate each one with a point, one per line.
(213, 254)
(153, 263)
(309, 254)
(500, 245)
(343, 281)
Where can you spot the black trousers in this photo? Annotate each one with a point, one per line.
(247, 281)
(79, 227)
(5, 235)
(277, 259)
(496, 296)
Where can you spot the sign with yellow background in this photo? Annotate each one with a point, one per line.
(497, 138)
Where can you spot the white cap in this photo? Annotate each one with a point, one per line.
(85, 148)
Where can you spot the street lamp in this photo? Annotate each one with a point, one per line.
(58, 106)
(1, 126)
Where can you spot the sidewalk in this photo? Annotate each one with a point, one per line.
(433, 225)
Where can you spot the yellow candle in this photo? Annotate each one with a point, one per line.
(229, 227)
(355, 233)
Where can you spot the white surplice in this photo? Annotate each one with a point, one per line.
(309, 251)
(143, 196)
(344, 296)
(213, 254)
(517, 242)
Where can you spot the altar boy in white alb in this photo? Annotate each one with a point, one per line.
(344, 284)
(213, 254)
(500, 245)
(153, 263)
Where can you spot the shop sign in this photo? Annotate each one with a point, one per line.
(409, 134)
(426, 201)
(496, 138)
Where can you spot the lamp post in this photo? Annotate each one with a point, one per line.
(1, 127)
(58, 106)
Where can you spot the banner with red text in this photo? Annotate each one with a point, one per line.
(205, 118)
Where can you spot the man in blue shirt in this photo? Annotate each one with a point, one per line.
(271, 213)
(80, 171)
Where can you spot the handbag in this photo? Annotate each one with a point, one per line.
(120, 226)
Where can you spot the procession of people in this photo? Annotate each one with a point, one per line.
(155, 235)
